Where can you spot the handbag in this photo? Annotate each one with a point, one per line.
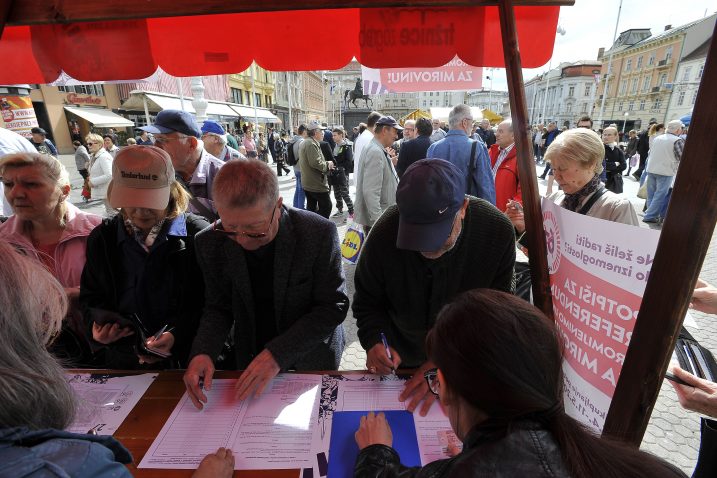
(614, 183)
(642, 192)
(634, 160)
(352, 243)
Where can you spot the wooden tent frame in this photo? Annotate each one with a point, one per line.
(686, 234)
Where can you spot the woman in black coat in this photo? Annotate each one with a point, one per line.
(614, 162)
(141, 289)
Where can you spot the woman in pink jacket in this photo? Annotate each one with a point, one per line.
(44, 224)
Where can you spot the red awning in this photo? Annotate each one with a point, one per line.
(277, 41)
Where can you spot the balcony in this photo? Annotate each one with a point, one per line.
(666, 63)
(655, 89)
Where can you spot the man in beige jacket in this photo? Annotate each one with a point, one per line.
(314, 172)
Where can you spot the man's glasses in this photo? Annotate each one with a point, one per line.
(431, 377)
(251, 235)
(167, 139)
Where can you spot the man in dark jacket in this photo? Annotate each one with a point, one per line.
(435, 243)
(643, 147)
(486, 133)
(415, 149)
(274, 274)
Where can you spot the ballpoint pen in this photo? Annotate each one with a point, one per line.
(388, 351)
(160, 332)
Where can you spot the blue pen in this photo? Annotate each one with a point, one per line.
(388, 350)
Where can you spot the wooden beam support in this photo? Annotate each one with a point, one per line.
(685, 238)
(526, 164)
(35, 12)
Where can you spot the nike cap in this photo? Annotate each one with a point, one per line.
(429, 195)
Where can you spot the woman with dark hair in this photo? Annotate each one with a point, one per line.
(500, 382)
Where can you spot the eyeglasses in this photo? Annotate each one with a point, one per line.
(251, 235)
(431, 377)
(167, 139)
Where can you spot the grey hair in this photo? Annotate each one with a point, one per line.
(458, 114)
(51, 168)
(509, 122)
(222, 138)
(674, 125)
(34, 392)
(581, 145)
(245, 183)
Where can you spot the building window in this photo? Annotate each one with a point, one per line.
(584, 108)
(94, 90)
(701, 70)
(657, 104)
(686, 74)
(628, 65)
(681, 98)
(663, 79)
(623, 87)
(588, 89)
(639, 63)
(651, 59)
(631, 106)
(694, 96)
(236, 95)
(569, 108)
(571, 92)
(642, 105)
(668, 52)
(633, 90)
(257, 99)
(646, 83)
(620, 106)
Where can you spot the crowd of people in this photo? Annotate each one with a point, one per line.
(199, 264)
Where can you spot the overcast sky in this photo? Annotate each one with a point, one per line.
(590, 24)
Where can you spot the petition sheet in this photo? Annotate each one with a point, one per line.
(372, 392)
(273, 431)
(104, 400)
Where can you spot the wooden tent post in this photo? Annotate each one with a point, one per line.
(685, 237)
(526, 164)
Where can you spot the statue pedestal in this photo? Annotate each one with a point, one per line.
(354, 116)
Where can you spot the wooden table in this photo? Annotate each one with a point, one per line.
(145, 421)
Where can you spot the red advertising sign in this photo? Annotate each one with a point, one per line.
(456, 75)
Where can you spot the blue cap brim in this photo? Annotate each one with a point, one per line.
(156, 129)
(424, 237)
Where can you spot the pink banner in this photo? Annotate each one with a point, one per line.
(598, 271)
(456, 75)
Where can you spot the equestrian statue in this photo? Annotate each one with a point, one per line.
(350, 96)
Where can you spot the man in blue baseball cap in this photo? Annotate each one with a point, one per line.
(178, 134)
(215, 141)
(435, 243)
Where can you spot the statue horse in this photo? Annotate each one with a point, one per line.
(350, 96)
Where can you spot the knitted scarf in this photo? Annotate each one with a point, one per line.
(144, 240)
(573, 201)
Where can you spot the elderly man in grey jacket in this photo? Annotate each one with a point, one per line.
(275, 274)
(376, 181)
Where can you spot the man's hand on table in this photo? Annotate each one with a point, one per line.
(257, 375)
(417, 390)
(201, 366)
(216, 465)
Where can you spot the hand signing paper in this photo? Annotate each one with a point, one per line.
(257, 375)
(417, 390)
(164, 344)
(201, 367)
(378, 362)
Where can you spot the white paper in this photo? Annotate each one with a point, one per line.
(370, 395)
(274, 431)
(104, 401)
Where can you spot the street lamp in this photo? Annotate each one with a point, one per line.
(624, 123)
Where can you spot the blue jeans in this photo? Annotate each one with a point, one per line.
(299, 196)
(658, 186)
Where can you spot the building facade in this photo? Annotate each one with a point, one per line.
(496, 101)
(689, 78)
(563, 94)
(288, 97)
(643, 72)
(314, 97)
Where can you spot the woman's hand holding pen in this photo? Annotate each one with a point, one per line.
(163, 343)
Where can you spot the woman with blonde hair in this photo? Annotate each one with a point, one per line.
(47, 227)
(100, 168)
(36, 403)
(577, 157)
(142, 275)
